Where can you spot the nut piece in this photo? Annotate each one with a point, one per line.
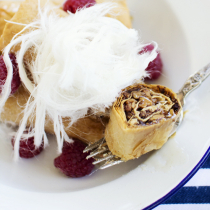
(144, 102)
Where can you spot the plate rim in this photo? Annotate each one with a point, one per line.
(196, 167)
(181, 184)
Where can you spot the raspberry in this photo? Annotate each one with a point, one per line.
(74, 5)
(3, 74)
(148, 48)
(155, 67)
(72, 162)
(27, 148)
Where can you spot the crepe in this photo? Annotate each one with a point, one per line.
(141, 120)
(88, 129)
(7, 11)
(29, 11)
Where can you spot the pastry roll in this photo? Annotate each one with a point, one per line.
(141, 120)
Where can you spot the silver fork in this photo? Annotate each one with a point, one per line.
(100, 151)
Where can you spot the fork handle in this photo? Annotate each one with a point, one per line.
(193, 82)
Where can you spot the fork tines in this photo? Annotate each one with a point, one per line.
(102, 154)
(93, 146)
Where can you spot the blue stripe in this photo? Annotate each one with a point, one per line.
(184, 181)
(207, 163)
(193, 195)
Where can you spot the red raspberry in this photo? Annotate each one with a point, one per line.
(72, 162)
(27, 148)
(148, 48)
(155, 67)
(74, 5)
(3, 74)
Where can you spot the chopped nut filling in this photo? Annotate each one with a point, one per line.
(146, 107)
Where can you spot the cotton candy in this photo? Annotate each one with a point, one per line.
(81, 61)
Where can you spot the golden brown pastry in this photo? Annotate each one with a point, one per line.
(122, 11)
(88, 129)
(141, 120)
(7, 11)
(29, 9)
(26, 13)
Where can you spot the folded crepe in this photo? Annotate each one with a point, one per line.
(68, 95)
(7, 11)
(88, 129)
(28, 11)
(141, 120)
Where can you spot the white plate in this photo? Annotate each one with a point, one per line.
(181, 30)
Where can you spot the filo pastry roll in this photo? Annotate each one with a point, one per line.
(141, 120)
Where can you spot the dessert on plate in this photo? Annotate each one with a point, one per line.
(89, 128)
(69, 64)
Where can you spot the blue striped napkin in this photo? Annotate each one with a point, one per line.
(195, 195)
